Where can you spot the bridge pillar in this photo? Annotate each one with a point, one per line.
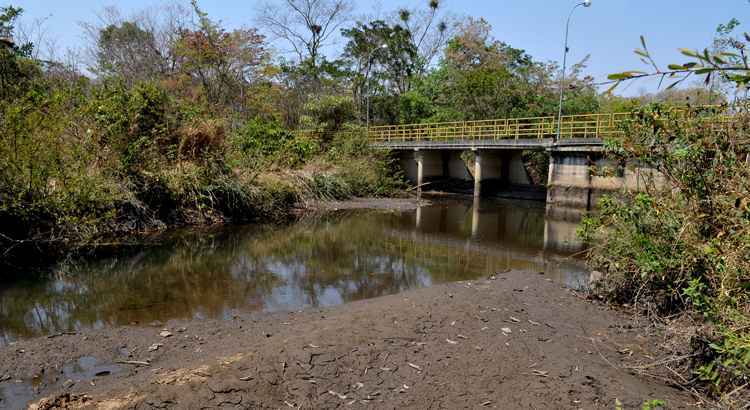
(429, 165)
(419, 157)
(477, 174)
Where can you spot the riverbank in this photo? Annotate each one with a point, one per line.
(515, 340)
(391, 204)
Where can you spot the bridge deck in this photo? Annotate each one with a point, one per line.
(538, 144)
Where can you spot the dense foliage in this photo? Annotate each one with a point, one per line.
(477, 77)
(681, 246)
(178, 119)
(190, 131)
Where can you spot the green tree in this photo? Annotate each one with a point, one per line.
(16, 66)
(383, 60)
(481, 78)
(129, 51)
(222, 63)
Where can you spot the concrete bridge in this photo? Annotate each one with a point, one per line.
(490, 152)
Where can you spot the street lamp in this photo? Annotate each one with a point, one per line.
(585, 3)
(367, 83)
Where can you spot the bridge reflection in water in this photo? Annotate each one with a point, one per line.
(524, 235)
(320, 261)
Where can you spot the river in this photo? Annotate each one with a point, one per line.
(318, 261)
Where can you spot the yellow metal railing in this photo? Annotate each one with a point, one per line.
(572, 126)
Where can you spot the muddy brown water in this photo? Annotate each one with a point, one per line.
(318, 261)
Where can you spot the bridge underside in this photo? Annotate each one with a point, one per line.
(578, 174)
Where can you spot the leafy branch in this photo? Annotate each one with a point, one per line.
(731, 66)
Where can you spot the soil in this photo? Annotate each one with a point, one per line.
(516, 340)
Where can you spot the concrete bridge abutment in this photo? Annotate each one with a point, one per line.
(580, 176)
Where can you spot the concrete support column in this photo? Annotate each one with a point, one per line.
(419, 157)
(550, 176)
(477, 174)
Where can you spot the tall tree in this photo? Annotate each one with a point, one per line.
(481, 78)
(305, 25)
(129, 51)
(223, 63)
(138, 47)
(429, 30)
(382, 57)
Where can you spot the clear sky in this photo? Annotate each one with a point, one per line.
(609, 30)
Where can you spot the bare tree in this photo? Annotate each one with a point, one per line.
(36, 32)
(430, 29)
(306, 25)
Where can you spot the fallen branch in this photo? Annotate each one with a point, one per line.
(133, 362)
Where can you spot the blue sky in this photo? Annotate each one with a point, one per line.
(608, 31)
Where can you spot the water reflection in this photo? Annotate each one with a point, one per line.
(316, 262)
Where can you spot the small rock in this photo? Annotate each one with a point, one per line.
(182, 330)
(165, 333)
(506, 330)
(68, 383)
(154, 347)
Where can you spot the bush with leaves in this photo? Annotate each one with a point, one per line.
(133, 122)
(50, 188)
(684, 243)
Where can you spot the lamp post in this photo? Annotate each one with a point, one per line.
(367, 83)
(585, 3)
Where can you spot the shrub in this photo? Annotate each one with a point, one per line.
(257, 138)
(201, 140)
(53, 178)
(330, 112)
(350, 143)
(132, 122)
(684, 246)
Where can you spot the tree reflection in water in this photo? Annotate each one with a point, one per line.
(319, 261)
